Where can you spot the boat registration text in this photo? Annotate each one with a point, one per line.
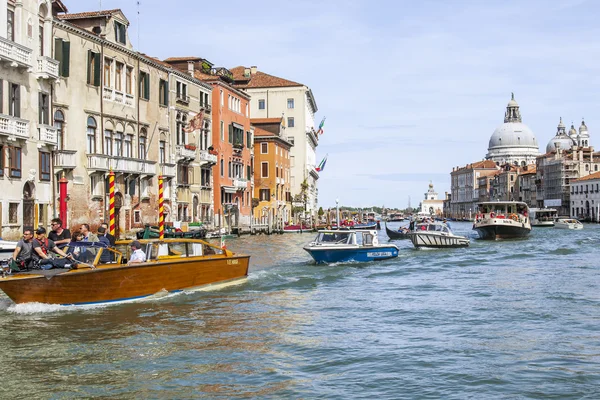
(379, 254)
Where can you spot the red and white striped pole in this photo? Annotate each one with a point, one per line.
(111, 201)
(161, 209)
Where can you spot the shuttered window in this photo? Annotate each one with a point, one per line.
(264, 170)
(62, 53)
(144, 85)
(44, 108)
(93, 68)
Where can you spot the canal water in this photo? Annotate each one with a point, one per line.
(505, 319)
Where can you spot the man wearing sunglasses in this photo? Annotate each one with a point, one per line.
(22, 254)
(59, 235)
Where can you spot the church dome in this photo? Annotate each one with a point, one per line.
(561, 139)
(513, 142)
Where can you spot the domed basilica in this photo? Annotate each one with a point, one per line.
(565, 141)
(513, 142)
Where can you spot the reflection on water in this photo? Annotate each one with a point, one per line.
(498, 319)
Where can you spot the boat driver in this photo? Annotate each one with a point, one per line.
(137, 254)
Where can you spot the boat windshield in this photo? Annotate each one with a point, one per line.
(335, 237)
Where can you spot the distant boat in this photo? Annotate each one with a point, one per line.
(543, 217)
(502, 220)
(568, 223)
(396, 234)
(7, 248)
(436, 235)
(365, 225)
(152, 232)
(331, 246)
(297, 228)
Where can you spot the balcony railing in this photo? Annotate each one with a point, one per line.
(182, 152)
(14, 126)
(207, 157)
(207, 107)
(65, 159)
(47, 68)
(182, 98)
(240, 183)
(101, 162)
(48, 134)
(110, 94)
(279, 181)
(17, 54)
(168, 170)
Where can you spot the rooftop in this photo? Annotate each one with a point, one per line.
(259, 79)
(595, 175)
(90, 14)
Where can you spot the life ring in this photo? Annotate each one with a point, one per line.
(492, 215)
(514, 217)
(423, 227)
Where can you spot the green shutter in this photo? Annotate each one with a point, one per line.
(96, 69)
(116, 25)
(89, 67)
(230, 133)
(58, 50)
(166, 88)
(40, 108)
(66, 58)
(147, 87)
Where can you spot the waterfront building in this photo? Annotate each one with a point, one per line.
(272, 176)
(431, 204)
(464, 186)
(525, 187)
(28, 75)
(513, 142)
(127, 103)
(274, 97)
(569, 156)
(231, 141)
(585, 197)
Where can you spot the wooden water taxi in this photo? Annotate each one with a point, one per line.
(104, 276)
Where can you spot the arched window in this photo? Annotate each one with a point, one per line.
(59, 122)
(587, 167)
(142, 144)
(91, 135)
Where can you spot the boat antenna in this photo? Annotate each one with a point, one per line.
(138, 27)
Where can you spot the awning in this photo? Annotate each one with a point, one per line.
(236, 125)
(229, 189)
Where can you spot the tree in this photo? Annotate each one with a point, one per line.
(320, 213)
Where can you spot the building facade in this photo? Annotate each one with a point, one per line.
(431, 204)
(272, 175)
(274, 97)
(585, 198)
(28, 77)
(464, 187)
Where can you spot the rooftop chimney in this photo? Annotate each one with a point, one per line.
(246, 72)
(253, 69)
(191, 68)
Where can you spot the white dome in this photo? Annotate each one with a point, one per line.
(564, 142)
(513, 134)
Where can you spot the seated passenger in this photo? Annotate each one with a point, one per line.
(137, 255)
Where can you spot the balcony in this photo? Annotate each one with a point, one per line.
(240, 184)
(17, 55)
(168, 170)
(207, 157)
(47, 68)
(13, 126)
(112, 95)
(185, 151)
(65, 159)
(182, 98)
(101, 162)
(48, 134)
(207, 108)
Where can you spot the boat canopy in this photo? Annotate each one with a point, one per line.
(503, 208)
(433, 228)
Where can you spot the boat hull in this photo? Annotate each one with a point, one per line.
(113, 283)
(499, 231)
(395, 234)
(432, 240)
(542, 224)
(332, 255)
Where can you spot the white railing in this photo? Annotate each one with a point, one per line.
(116, 96)
(206, 156)
(119, 97)
(168, 169)
(15, 52)
(119, 164)
(182, 152)
(240, 183)
(47, 67)
(14, 126)
(97, 161)
(129, 100)
(48, 134)
(108, 93)
(65, 159)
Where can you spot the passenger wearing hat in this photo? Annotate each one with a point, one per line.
(42, 245)
(137, 255)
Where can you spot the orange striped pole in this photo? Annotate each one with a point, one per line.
(111, 201)
(161, 209)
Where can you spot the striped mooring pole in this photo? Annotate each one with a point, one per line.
(161, 209)
(111, 201)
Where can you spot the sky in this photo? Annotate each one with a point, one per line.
(410, 89)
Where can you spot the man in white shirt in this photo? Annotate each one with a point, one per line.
(137, 254)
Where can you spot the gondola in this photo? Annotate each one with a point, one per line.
(395, 234)
(151, 232)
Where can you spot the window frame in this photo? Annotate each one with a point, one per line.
(264, 148)
(45, 166)
(264, 169)
(261, 102)
(290, 102)
(290, 122)
(15, 162)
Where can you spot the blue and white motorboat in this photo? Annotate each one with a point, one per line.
(7, 248)
(332, 246)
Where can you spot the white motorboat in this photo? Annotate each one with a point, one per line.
(7, 248)
(502, 220)
(543, 217)
(567, 223)
(436, 235)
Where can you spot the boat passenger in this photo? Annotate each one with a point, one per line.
(111, 238)
(447, 223)
(42, 245)
(138, 255)
(59, 235)
(22, 253)
(88, 236)
(106, 255)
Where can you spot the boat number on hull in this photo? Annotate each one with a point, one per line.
(232, 262)
(379, 254)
